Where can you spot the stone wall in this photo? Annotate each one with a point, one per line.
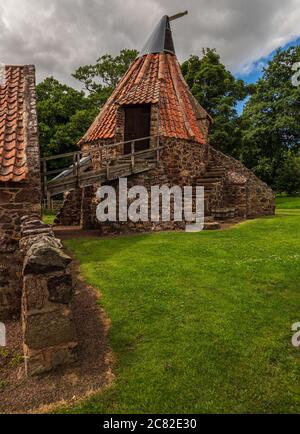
(17, 200)
(48, 329)
(88, 210)
(180, 163)
(243, 190)
(216, 198)
(183, 161)
(238, 192)
(10, 279)
(70, 213)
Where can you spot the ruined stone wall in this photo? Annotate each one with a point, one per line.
(17, 200)
(251, 197)
(48, 329)
(70, 213)
(10, 280)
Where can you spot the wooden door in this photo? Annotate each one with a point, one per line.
(137, 126)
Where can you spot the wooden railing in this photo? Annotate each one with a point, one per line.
(100, 164)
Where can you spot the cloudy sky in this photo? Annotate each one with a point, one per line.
(60, 35)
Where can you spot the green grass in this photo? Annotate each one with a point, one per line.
(200, 322)
(288, 202)
(49, 216)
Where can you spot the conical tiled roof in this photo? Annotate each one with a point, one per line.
(154, 78)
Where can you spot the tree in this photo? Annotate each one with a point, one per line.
(64, 115)
(218, 91)
(288, 175)
(271, 118)
(99, 80)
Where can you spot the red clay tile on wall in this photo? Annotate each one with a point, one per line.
(13, 165)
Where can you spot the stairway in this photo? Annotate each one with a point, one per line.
(211, 181)
(119, 168)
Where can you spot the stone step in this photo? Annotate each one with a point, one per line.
(213, 175)
(208, 180)
(206, 194)
(209, 219)
(215, 169)
(207, 187)
(212, 165)
(223, 213)
(212, 226)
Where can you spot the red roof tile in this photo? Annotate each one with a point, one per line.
(13, 166)
(157, 79)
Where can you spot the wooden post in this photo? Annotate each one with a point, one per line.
(106, 155)
(48, 201)
(157, 155)
(45, 177)
(74, 164)
(157, 150)
(132, 156)
(77, 169)
(107, 170)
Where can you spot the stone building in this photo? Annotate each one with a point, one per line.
(19, 175)
(153, 102)
(35, 280)
(20, 188)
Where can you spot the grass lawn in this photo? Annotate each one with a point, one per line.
(201, 322)
(288, 202)
(49, 216)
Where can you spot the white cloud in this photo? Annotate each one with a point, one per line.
(59, 35)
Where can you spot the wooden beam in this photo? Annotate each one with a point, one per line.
(179, 15)
(132, 155)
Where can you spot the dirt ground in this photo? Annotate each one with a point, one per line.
(92, 372)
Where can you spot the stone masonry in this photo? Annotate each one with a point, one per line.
(10, 280)
(70, 213)
(234, 192)
(48, 329)
(35, 279)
